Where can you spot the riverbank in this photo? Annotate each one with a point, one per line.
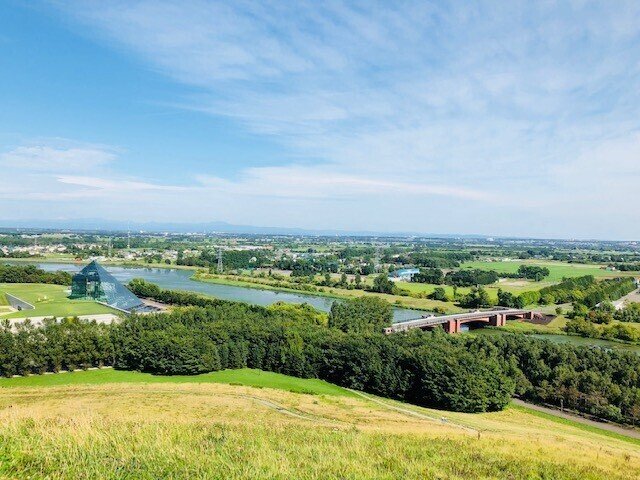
(331, 292)
(180, 279)
(105, 262)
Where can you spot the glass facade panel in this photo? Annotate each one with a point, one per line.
(94, 282)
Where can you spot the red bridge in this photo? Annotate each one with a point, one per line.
(452, 323)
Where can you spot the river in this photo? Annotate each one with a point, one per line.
(174, 279)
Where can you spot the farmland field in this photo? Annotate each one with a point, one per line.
(557, 270)
(49, 300)
(103, 427)
(514, 286)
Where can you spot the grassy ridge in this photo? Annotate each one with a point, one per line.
(581, 426)
(189, 430)
(245, 376)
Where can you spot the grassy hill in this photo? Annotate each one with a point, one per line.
(49, 300)
(251, 424)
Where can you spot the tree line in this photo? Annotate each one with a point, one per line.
(585, 290)
(530, 272)
(231, 259)
(592, 380)
(66, 345)
(459, 278)
(598, 322)
(32, 274)
(427, 369)
(461, 373)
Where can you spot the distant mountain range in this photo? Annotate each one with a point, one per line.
(92, 224)
(102, 225)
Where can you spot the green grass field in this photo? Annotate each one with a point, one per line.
(122, 425)
(557, 270)
(49, 300)
(510, 285)
(244, 376)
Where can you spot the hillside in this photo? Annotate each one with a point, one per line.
(109, 424)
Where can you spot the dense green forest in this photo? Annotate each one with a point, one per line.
(469, 278)
(32, 274)
(460, 373)
(231, 259)
(586, 290)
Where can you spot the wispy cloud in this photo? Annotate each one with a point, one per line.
(111, 185)
(327, 183)
(61, 169)
(55, 155)
(437, 100)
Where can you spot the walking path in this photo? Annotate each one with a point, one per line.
(411, 413)
(37, 321)
(627, 432)
(286, 411)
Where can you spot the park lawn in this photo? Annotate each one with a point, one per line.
(244, 376)
(218, 431)
(519, 326)
(559, 322)
(50, 300)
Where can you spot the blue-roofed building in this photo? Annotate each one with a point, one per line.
(403, 274)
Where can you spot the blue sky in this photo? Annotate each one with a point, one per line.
(500, 118)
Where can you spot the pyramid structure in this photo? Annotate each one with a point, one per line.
(95, 283)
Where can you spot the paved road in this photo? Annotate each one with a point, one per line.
(629, 298)
(99, 318)
(576, 418)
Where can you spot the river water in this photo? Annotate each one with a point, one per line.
(174, 279)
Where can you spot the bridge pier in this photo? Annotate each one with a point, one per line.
(498, 320)
(452, 326)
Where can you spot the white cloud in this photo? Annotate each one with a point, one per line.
(55, 156)
(60, 170)
(326, 182)
(114, 185)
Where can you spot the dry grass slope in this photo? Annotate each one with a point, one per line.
(166, 430)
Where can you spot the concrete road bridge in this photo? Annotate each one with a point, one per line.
(453, 323)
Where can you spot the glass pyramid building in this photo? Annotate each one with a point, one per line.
(95, 283)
